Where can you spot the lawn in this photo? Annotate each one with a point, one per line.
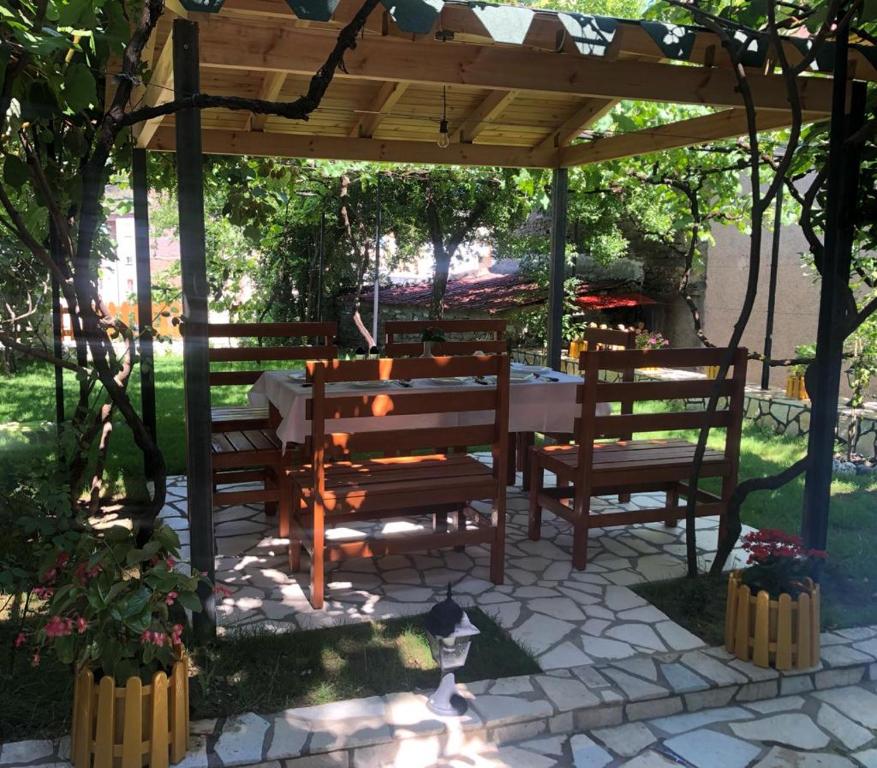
(268, 672)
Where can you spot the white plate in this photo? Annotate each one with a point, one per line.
(534, 369)
(369, 384)
(522, 377)
(450, 382)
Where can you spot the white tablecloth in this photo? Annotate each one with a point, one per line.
(544, 403)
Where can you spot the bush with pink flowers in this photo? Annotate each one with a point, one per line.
(113, 605)
(646, 339)
(779, 562)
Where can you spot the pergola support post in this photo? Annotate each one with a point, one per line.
(196, 364)
(823, 381)
(557, 265)
(58, 352)
(140, 186)
(772, 288)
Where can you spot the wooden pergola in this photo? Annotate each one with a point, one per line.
(521, 89)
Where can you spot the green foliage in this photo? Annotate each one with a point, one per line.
(113, 604)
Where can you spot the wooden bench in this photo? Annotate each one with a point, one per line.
(606, 462)
(492, 333)
(244, 445)
(330, 492)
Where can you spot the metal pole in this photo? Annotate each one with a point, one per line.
(772, 289)
(321, 257)
(58, 351)
(823, 380)
(140, 185)
(557, 265)
(196, 365)
(376, 289)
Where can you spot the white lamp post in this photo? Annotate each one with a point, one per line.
(450, 635)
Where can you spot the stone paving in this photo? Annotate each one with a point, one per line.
(834, 728)
(564, 617)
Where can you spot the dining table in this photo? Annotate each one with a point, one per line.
(540, 400)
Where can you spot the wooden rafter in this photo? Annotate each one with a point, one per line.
(685, 133)
(222, 142)
(570, 129)
(263, 48)
(387, 98)
(272, 84)
(159, 91)
(480, 118)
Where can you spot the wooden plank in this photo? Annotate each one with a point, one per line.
(661, 390)
(272, 84)
(415, 348)
(179, 710)
(684, 133)
(230, 142)
(106, 724)
(761, 634)
(84, 721)
(803, 659)
(783, 658)
(388, 96)
(411, 439)
(159, 742)
(815, 625)
(658, 358)
(387, 369)
(741, 638)
(449, 326)
(730, 613)
(262, 354)
(132, 733)
(612, 426)
(410, 403)
(570, 129)
(486, 112)
(159, 90)
(326, 330)
(239, 45)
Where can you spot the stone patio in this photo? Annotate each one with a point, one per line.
(565, 618)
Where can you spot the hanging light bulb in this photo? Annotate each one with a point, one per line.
(444, 138)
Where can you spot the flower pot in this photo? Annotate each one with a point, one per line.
(427, 349)
(782, 633)
(795, 387)
(576, 347)
(131, 726)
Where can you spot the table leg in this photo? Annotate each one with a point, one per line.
(525, 442)
(511, 463)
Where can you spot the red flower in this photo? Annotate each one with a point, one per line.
(58, 627)
(171, 597)
(177, 634)
(20, 639)
(43, 593)
(170, 562)
(81, 625)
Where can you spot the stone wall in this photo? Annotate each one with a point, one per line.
(772, 410)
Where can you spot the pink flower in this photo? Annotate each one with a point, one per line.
(221, 591)
(145, 637)
(43, 593)
(148, 636)
(58, 627)
(20, 639)
(177, 634)
(170, 562)
(81, 625)
(49, 576)
(171, 597)
(62, 560)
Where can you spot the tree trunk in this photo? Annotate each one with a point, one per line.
(442, 257)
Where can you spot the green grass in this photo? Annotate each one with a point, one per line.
(268, 672)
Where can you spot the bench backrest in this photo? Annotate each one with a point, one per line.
(728, 416)
(604, 338)
(283, 342)
(328, 404)
(462, 337)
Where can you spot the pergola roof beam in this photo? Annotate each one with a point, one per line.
(685, 133)
(498, 68)
(387, 98)
(480, 118)
(270, 89)
(159, 90)
(221, 142)
(570, 129)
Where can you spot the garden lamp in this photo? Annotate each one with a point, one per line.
(450, 634)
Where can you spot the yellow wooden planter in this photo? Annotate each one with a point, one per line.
(783, 633)
(712, 371)
(576, 347)
(795, 387)
(135, 726)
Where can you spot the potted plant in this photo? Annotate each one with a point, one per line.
(116, 611)
(795, 386)
(429, 337)
(772, 613)
(646, 339)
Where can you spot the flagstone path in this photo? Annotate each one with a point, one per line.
(563, 617)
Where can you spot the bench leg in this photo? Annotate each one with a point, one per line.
(497, 548)
(672, 501)
(317, 565)
(580, 535)
(285, 504)
(511, 457)
(624, 498)
(440, 521)
(461, 526)
(537, 480)
(294, 547)
(270, 482)
(525, 442)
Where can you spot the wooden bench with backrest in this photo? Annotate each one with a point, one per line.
(458, 337)
(244, 444)
(605, 461)
(329, 493)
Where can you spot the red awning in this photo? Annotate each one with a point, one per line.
(601, 301)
